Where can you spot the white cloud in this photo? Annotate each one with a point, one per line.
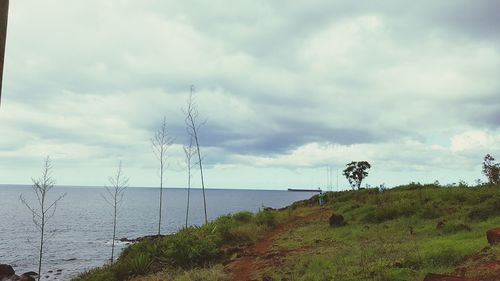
(475, 140)
(284, 86)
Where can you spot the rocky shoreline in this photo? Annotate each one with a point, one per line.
(7, 273)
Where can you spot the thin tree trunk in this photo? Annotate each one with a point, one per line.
(41, 249)
(201, 173)
(161, 197)
(114, 234)
(189, 190)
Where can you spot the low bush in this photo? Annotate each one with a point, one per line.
(394, 210)
(243, 217)
(98, 274)
(140, 264)
(431, 212)
(266, 218)
(189, 248)
(486, 210)
(456, 227)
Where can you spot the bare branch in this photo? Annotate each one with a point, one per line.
(114, 197)
(41, 187)
(160, 142)
(192, 127)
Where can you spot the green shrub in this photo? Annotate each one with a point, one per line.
(447, 256)
(215, 273)
(431, 212)
(190, 248)
(140, 264)
(121, 270)
(486, 210)
(97, 274)
(267, 218)
(244, 217)
(454, 228)
(402, 208)
(245, 233)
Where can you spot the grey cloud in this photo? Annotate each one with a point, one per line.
(251, 55)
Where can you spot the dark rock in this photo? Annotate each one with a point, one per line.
(336, 220)
(269, 209)
(440, 277)
(149, 237)
(6, 270)
(493, 236)
(28, 276)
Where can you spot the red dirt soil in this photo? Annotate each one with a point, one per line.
(243, 267)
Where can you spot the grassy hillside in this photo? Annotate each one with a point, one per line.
(400, 234)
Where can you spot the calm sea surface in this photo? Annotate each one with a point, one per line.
(83, 222)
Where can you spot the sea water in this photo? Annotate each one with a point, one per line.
(82, 224)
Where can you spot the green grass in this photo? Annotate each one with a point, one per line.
(392, 235)
(190, 249)
(388, 236)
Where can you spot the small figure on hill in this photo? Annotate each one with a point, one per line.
(321, 198)
(382, 188)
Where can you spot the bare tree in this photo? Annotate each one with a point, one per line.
(114, 197)
(193, 126)
(42, 211)
(161, 141)
(189, 152)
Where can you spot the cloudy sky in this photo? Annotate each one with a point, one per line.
(287, 88)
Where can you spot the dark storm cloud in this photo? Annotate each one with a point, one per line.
(290, 135)
(482, 111)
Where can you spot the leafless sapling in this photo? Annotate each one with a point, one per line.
(114, 197)
(189, 152)
(161, 141)
(43, 210)
(193, 126)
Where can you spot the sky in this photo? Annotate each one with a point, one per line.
(287, 89)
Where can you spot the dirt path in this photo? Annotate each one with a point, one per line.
(243, 267)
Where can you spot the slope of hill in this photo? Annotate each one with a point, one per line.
(399, 234)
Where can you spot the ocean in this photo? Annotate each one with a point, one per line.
(82, 224)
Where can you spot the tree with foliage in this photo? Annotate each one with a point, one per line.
(114, 197)
(491, 169)
(355, 172)
(42, 210)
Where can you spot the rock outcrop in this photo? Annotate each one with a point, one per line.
(7, 273)
(493, 236)
(336, 220)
